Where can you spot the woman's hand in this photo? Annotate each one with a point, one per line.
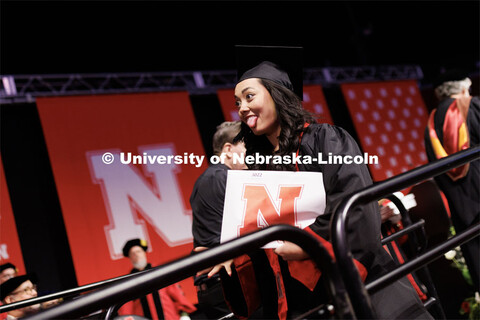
(290, 251)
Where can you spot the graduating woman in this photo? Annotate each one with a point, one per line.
(284, 281)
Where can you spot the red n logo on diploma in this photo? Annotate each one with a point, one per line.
(262, 211)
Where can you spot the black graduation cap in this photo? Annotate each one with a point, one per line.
(7, 266)
(283, 65)
(12, 284)
(457, 74)
(132, 243)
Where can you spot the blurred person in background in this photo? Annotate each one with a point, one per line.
(454, 125)
(167, 303)
(17, 289)
(7, 271)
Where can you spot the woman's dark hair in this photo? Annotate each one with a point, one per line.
(291, 116)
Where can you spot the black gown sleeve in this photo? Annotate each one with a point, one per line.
(341, 180)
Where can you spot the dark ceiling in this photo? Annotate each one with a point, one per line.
(122, 36)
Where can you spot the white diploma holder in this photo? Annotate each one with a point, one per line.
(258, 199)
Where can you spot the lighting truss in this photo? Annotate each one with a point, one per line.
(25, 88)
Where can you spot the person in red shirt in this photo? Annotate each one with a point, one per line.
(167, 303)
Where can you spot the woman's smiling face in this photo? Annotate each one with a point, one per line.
(256, 107)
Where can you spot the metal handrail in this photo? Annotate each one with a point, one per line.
(419, 224)
(62, 294)
(167, 274)
(408, 222)
(427, 257)
(417, 242)
(356, 290)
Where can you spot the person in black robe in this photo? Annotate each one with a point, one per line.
(454, 125)
(275, 123)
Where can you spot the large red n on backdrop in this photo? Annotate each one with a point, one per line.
(104, 205)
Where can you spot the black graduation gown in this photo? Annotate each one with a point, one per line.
(463, 195)
(397, 301)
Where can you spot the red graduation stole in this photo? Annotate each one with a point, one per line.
(455, 134)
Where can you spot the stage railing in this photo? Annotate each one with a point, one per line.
(416, 243)
(359, 292)
(350, 302)
(69, 293)
(162, 276)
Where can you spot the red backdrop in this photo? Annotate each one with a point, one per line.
(104, 205)
(313, 101)
(390, 119)
(9, 244)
